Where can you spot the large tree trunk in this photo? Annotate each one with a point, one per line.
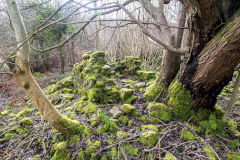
(209, 66)
(25, 80)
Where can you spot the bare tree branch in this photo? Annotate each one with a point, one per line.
(145, 31)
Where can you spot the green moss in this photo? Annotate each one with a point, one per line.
(71, 127)
(212, 125)
(25, 122)
(7, 110)
(121, 135)
(159, 111)
(127, 108)
(186, 135)
(132, 64)
(90, 151)
(74, 140)
(153, 91)
(179, 100)
(105, 70)
(111, 95)
(94, 95)
(100, 84)
(143, 118)
(126, 95)
(90, 108)
(114, 153)
(85, 56)
(81, 155)
(68, 96)
(66, 91)
(131, 150)
(67, 82)
(169, 156)
(210, 152)
(150, 126)
(232, 125)
(233, 156)
(123, 119)
(146, 75)
(218, 111)
(149, 138)
(59, 151)
(24, 111)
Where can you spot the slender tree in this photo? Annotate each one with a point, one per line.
(23, 76)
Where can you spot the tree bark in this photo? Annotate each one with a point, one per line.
(23, 76)
(213, 57)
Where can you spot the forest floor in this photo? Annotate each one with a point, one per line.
(24, 134)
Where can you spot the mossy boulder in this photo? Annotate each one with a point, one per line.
(115, 111)
(146, 75)
(66, 91)
(153, 91)
(186, 135)
(132, 64)
(169, 156)
(149, 138)
(25, 122)
(126, 95)
(127, 108)
(159, 111)
(150, 126)
(24, 111)
(71, 127)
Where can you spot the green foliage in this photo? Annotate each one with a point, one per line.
(55, 32)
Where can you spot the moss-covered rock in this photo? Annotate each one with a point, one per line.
(7, 110)
(146, 75)
(169, 156)
(179, 100)
(186, 135)
(210, 152)
(127, 108)
(123, 119)
(150, 126)
(149, 138)
(25, 122)
(126, 95)
(159, 111)
(66, 91)
(24, 111)
(116, 112)
(153, 91)
(68, 96)
(132, 65)
(71, 127)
